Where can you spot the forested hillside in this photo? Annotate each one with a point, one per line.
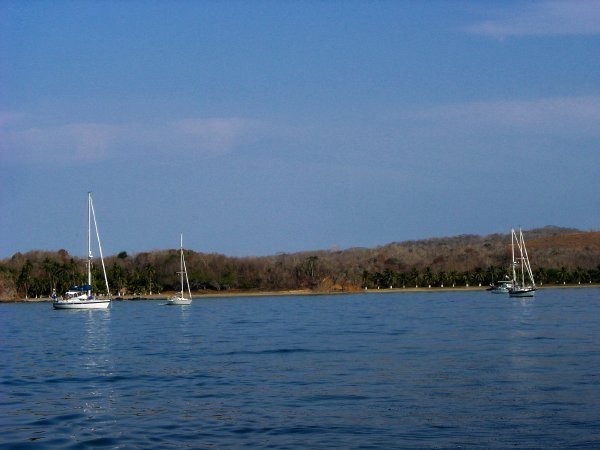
(558, 255)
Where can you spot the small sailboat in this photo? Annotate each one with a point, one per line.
(81, 297)
(502, 287)
(521, 269)
(180, 299)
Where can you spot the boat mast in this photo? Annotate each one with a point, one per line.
(99, 247)
(89, 263)
(181, 262)
(512, 241)
(187, 281)
(526, 259)
(521, 244)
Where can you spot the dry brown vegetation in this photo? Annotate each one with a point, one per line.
(558, 255)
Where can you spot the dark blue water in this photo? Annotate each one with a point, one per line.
(429, 370)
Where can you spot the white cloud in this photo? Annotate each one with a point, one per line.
(77, 142)
(22, 142)
(564, 116)
(213, 134)
(543, 18)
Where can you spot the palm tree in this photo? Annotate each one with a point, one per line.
(402, 278)
(452, 278)
(414, 276)
(378, 279)
(389, 278)
(466, 277)
(479, 275)
(54, 273)
(24, 279)
(492, 274)
(98, 280)
(442, 277)
(148, 276)
(136, 282)
(541, 275)
(578, 274)
(563, 275)
(429, 277)
(118, 277)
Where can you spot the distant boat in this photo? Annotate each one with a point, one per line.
(181, 300)
(521, 269)
(81, 297)
(501, 288)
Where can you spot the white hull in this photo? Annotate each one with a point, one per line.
(179, 301)
(81, 304)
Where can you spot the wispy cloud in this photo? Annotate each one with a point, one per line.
(22, 142)
(213, 134)
(542, 18)
(564, 116)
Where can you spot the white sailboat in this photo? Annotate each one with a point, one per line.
(502, 287)
(521, 268)
(180, 299)
(81, 297)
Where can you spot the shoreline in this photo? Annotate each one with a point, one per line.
(305, 292)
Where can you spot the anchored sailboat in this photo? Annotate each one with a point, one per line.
(521, 269)
(181, 300)
(502, 287)
(81, 297)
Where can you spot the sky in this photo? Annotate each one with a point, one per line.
(261, 127)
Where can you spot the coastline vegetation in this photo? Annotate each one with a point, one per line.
(560, 256)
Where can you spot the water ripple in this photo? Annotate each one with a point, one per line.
(442, 370)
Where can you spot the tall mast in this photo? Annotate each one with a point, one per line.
(522, 257)
(181, 262)
(99, 247)
(512, 241)
(89, 264)
(527, 264)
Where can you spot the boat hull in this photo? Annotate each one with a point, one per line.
(81, 304)
(499, 291)
(521, 292)
(179, 301)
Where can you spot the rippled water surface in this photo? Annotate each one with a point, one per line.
(423, 370)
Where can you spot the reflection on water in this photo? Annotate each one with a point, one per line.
(522, 356)
(97, 337)
(184, 337)
(522, 308)
(98, 393)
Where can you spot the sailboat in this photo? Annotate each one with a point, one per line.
(502, 287)
(521, 268)
(81, 297)
(180, 299)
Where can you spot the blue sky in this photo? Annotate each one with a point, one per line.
(258, 127)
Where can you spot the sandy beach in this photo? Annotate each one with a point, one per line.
(305, 292)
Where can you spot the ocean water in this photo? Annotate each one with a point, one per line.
(400, 370)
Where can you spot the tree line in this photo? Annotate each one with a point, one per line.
(466, 260)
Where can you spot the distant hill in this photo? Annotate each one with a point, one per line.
(549, 246)
(570, 250)
(562, 255)
(557, 255)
